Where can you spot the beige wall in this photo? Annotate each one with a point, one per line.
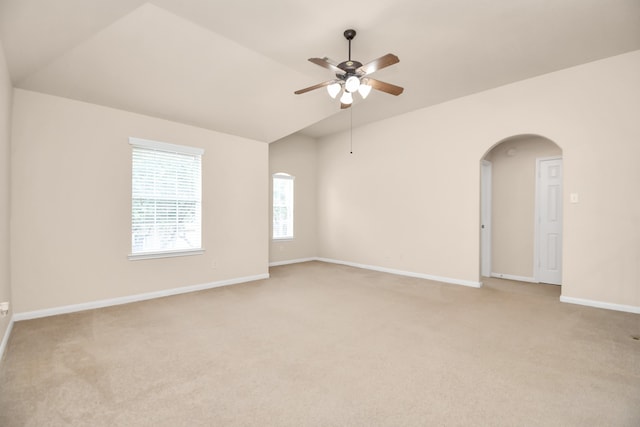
(513, 202)
(71, 181)
(296, 155)
(5, 171)
(408, 199)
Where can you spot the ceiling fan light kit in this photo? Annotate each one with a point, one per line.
(334, 89)
(346, 98)
(352, 76)
(352, 84)
(364, 89)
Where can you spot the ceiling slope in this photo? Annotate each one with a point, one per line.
(233, 66)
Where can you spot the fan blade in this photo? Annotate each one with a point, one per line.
(327, 63)
(344, 106)
(378, 64)
(385, 87)
(318, 86)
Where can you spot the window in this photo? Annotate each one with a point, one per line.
(282, 206)
(165, 200)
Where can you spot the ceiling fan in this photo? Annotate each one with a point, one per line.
(352, 76)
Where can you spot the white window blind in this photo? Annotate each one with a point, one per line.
(282, 206)
(166, 199)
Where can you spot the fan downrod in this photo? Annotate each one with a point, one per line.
(349, 66)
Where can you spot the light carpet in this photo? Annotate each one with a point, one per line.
(328, 345)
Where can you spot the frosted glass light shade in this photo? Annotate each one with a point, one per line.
(352, 84)
(334, 90)
(364, 90)
(346, 98)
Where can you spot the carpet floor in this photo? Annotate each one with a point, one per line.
(328, 345)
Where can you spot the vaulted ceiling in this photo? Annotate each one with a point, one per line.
(232, 66)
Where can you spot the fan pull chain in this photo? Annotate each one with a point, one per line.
(351, 131)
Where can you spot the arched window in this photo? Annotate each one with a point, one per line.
(282, 206)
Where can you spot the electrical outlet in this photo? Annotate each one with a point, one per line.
(214, 264)
(4, 308)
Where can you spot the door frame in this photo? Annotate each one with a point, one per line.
(485, 217)
(537, 238)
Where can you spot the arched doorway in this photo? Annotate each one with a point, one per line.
(521, 210)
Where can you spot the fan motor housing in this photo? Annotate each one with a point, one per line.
(350, 66)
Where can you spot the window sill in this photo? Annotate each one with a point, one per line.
(280, 239)
(165, 254)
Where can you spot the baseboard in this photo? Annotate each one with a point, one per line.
(405, 273)
(600, 304)
(513, 277)
(5, 339)
(291, 261)
(133, 298)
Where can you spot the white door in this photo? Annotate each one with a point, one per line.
(485, 219)
(549, 224)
